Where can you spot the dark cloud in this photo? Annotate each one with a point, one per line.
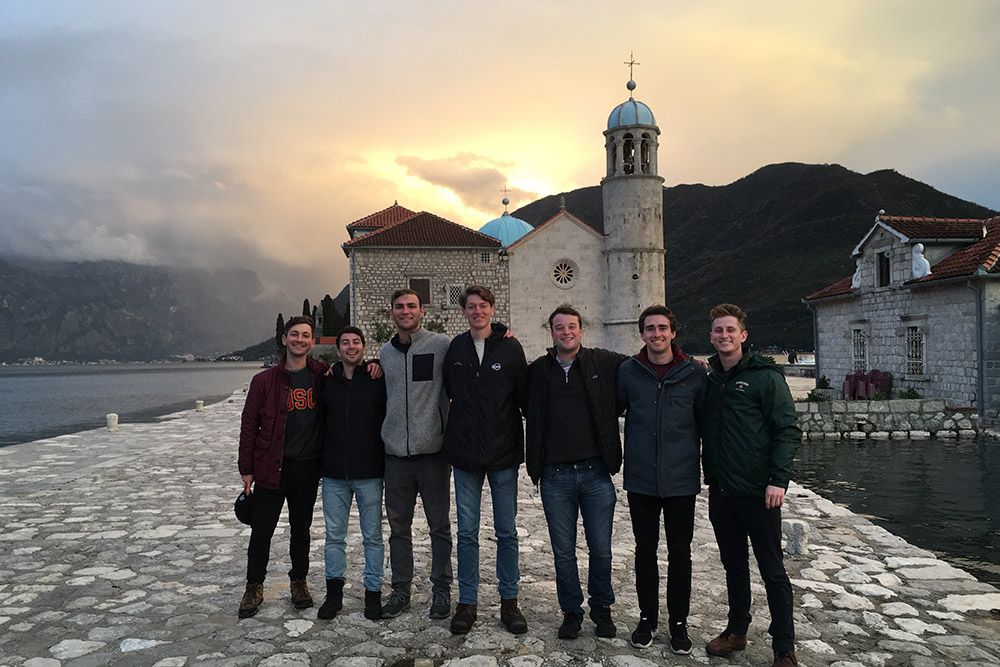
(476, 180)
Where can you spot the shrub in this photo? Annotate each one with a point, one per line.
(910, 393)
(880, 395)
(818, 396)
(823, 382)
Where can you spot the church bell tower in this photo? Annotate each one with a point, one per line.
(633, 222)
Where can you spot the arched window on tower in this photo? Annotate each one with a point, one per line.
(644, 153)
(628, 153)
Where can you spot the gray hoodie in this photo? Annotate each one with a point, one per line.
(417, 406)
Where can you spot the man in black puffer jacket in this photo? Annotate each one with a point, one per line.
(484, 373)
(573, 449)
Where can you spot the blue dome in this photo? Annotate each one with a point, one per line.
(631, 112)
(506, 228)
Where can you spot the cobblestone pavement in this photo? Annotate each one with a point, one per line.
(123, 549)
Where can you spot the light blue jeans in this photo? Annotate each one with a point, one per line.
(468, 502)
(337, 495)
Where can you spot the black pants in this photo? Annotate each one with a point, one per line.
(678, 526)
(299, 482)
(735, 518)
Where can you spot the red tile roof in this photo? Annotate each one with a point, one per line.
(839, 288)
(934, 228)
(980, 255)
(424, 230)
(383, 218)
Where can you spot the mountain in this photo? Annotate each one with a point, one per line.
(114, 310)
(766, 240)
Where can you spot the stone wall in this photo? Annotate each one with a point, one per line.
(536, 294)
(945, 313)
(881, 420)
(378, 272)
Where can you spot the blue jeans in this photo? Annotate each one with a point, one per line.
(468, 500)
(585, 486)
(336, 510)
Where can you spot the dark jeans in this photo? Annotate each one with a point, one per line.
(582, 489)
(678, 525)
(735, 518)
(299, 483)
(405, 477)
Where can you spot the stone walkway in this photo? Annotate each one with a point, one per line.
(123, 549)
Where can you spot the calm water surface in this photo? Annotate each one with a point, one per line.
(44, 401)
(941, 495)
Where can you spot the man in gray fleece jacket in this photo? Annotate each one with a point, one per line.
(413, 432)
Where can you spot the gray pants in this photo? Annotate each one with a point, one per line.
(430, 476)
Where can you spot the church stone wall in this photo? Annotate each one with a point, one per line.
(535, 293)
(378, 272)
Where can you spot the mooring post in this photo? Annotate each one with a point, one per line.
(113, 422)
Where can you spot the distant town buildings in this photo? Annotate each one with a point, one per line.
(924, 305)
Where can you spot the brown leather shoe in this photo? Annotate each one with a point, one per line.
(512, 618)
(724, 645)
(785, 659)
(252, 598)
(300, 594)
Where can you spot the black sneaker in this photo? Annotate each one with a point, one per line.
(398, 602)
(570, 628)
(441, 604)
(642, 636)
(601, 616)
(680, 643)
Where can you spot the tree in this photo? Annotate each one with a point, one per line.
(279, 330)
(333, 321)
(315, 310)
(306, 308)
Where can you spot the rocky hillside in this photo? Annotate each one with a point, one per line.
(766, 240)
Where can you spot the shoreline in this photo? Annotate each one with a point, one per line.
(123, 549)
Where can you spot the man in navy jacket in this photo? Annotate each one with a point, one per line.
(663, 393)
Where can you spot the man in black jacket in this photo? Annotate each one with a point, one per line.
(484, 373)
(352, 464)
(573, 447)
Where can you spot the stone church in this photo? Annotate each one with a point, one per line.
(608, 277)
(924, 305)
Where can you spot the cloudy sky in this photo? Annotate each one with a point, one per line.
(249, 132)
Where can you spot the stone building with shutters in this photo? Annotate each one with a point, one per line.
(608, 277)
(924, 305)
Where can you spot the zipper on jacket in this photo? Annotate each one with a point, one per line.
(406, 393)
(347, 429)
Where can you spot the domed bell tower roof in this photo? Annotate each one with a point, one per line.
(630, 112)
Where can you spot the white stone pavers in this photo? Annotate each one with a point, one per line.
(165, 592)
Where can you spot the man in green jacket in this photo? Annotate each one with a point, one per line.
(749, 441)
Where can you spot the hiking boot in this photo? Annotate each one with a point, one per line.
(570, 628)
(441, 604)
(373, 605)
(300, 594)
(464, 618)
(602, 617)
(252, 599)
(398, 602)
(334, 599)
(680, 643)
(512, 618)
(724, 645)
(784, 659)
(642, 636)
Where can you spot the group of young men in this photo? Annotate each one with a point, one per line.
(437, 407)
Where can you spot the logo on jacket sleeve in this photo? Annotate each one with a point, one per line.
(496, 366)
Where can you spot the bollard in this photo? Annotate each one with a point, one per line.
(112, 422)
(796, 536)
(199, 406)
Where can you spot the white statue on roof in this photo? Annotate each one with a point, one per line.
(921, 267)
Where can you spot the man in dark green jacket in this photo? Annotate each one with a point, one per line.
(749, 440)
